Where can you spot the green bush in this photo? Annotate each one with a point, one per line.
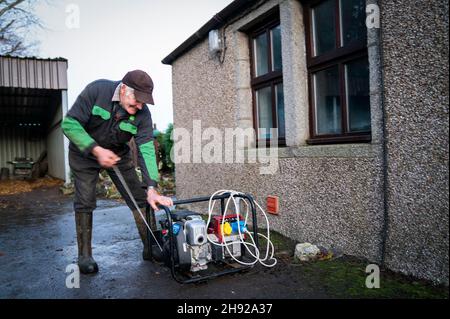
(165, 144)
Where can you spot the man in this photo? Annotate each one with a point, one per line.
(105, 116)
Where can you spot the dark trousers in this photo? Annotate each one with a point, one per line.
(85, 174)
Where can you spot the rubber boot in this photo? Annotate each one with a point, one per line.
(86, 263)
(143, 233)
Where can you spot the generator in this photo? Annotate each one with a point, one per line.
(196, 250)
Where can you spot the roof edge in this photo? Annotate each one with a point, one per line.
(215, 22)
(33, 58)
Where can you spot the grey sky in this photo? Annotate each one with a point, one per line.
(117, 36)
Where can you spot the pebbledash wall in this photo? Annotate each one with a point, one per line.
(414, 42)
(387, 202)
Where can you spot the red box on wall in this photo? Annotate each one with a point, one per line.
(272, 204)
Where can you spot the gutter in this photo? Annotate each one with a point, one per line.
(215, 22)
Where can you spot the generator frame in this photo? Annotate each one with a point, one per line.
(173, 266)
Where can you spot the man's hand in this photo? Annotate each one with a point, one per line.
(105, 157)
(153, 198)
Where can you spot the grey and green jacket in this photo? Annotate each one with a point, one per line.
(96, 118)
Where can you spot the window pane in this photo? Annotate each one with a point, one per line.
(323, 24)
(264, 107)
(261, 58)
(279, 98)
(357, 87)
(275, 35)
(353, 20)
(327, 102)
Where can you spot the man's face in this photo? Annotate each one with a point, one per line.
(128, 101)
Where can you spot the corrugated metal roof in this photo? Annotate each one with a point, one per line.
(33, 73)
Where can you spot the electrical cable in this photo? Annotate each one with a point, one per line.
(247, 245)
(226, 244)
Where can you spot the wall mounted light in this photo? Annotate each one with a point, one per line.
(215, 43)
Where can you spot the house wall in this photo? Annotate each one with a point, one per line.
(331, 194)
(415, 76)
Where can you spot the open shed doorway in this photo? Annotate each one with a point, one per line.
(33, 101)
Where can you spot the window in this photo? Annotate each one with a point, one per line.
(338, 71)
(267, 81)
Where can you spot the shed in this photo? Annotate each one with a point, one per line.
(33, 100)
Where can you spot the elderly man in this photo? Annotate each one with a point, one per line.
(105, 116)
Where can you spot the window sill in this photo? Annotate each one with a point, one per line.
(346, 150)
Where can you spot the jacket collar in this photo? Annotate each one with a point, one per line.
(116, 95)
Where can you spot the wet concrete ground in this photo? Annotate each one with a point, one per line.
(38, 242)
